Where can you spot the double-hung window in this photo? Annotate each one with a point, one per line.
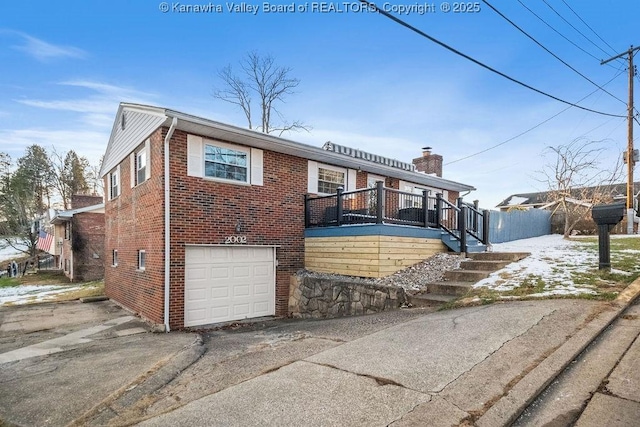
(223, 162)
(114, 183)
(141, 166)
(329, 180)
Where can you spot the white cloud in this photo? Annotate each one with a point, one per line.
(90, 144)
(97, 108)
(44, 51)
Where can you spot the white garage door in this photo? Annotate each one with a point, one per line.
(224, 283)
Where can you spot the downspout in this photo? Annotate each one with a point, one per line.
(167, 240)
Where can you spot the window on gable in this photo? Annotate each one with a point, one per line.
(114, 183)
(329, 180)
(226, 163)
(141, 166)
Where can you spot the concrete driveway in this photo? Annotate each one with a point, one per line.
(94, 364)
(59, 360)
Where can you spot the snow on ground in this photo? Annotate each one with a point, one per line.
(552, 260)
(8, 252)
(32, 293)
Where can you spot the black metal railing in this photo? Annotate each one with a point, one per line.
(380, 205)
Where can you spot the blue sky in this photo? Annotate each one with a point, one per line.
(366, 81)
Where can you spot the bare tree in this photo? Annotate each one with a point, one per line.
(576, 180)
(269, 82)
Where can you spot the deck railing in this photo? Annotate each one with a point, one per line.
(382, 205)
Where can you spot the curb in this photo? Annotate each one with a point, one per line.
(142, 386)
(510, 406)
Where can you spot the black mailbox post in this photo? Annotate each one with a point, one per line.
(606, 217)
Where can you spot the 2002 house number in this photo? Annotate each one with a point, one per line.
(235, 239)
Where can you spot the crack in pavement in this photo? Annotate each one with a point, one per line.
(379, 380)
(495, 351)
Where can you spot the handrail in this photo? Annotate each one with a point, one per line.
(380, 205)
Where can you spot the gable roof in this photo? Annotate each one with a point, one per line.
(616, 191)
(134, 123)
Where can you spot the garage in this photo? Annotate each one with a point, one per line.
(226, 282)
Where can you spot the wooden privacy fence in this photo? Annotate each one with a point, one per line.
(514, 225)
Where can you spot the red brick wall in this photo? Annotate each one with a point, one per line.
(135, 220)
(87, 232)
(205, 212)
(202, 212)
(84, 200)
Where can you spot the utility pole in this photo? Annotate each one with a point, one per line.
(630, 157)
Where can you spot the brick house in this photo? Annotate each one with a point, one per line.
(79, 238)
(205, 222)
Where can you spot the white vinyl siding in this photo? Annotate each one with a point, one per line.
(139, 125)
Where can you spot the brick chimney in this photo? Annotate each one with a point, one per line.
(429, 163)
(84, 200)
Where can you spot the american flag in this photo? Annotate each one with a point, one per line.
(44, 240)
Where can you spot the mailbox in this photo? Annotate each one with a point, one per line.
(608, 214)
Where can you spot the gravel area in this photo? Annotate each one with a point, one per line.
(414, 278)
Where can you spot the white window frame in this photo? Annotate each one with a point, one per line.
(373, 178)
(313, 177)
(141, 157)
(245, 150)
(196, 160)
(142, 260)
(333, 169)
(114, 258)
(114, 177)
(134, 162)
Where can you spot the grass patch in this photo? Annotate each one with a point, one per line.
(44, 277)
(7, 282)
(89, 289)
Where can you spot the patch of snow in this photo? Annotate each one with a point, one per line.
(7, 252)
(32, 293)
(553, 259)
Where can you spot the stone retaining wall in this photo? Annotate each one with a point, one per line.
(312, 297)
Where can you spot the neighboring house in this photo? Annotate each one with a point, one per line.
(79, 239)
(579, 198)
(541, 199)
(205, 222)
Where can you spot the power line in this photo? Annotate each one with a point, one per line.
(530, 129)
(551, 53)
(477, 62)
(572, 26)
(559, 33)
(588, 26)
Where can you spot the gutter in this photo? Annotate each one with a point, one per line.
(167, 240)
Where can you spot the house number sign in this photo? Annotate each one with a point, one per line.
(235, 239)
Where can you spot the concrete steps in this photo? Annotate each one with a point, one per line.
(458, 282)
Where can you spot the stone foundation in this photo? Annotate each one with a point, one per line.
(312, 297)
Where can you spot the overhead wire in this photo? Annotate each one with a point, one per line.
(562, 35)
(531, 128)
(572, 26)
(477, 62)
(588, 26)
(550, 52)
